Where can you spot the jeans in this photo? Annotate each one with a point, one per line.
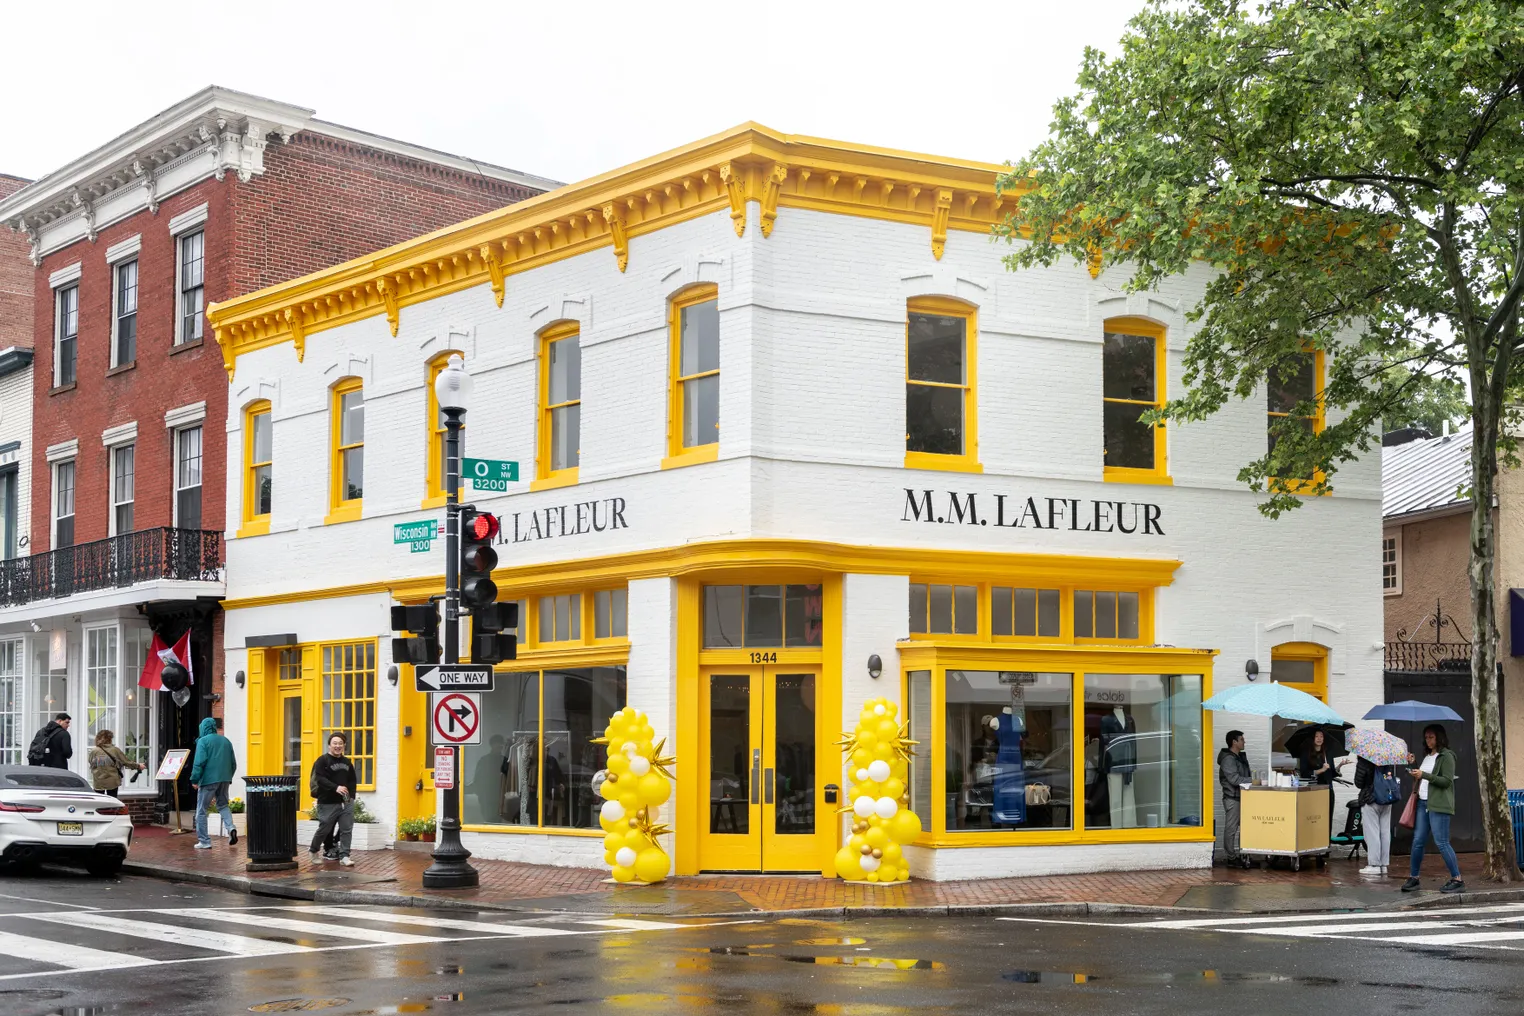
(1230, 826)
(205, 796)
(330, 816)
(1376, 820)
(1432, 824)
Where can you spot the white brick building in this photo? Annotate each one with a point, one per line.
(734, 581)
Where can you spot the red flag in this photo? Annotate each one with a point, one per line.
(158, 655)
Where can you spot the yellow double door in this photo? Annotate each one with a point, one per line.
(760, 744)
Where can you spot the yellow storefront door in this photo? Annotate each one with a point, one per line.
(759, 742)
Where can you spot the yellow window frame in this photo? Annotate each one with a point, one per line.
(590, 626)
(1319, 421)
(545, 476)
(340, 508)
(1066, 590)
(941, 306)
(1305, 652)
(348, 676)
(981, 609)
(677, 453)
(254, 524)
(433, 482)
(1144, 328)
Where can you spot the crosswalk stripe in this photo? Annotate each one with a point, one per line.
(200, 938)
(264, 920)
(1456, 938)
(485, 928)
(628, 925)
(75, 957)
(1219, 922)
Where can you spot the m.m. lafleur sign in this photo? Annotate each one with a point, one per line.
(1014, 512)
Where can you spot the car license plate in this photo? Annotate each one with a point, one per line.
(71, 829)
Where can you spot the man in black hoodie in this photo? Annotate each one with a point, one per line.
(52, 746)
(334, 777)
(1233, 774)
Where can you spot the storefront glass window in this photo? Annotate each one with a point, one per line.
(1101, 614)
(561, 618)
(937, 609)
(1026, 612)
(135, 736)
(101, 684)
(918, 716)
(530, 775)
(349, 704)
(52, 685)
(1008, 750)
(762, 617)
(14, 737)
(610, 607)
(1143, 732)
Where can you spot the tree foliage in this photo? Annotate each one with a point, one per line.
(1351, 172)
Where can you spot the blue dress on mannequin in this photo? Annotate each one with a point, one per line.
(1010, 773)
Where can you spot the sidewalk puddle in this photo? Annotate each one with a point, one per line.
(1071, 978)
(862, 962)
(830, 941)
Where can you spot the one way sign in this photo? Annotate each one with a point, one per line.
(453, 677)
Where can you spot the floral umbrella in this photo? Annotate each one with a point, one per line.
(1377, 746)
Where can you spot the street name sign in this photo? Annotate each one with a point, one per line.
(490, 474)
(453, 677)
(457, 718)
(444, 767)
(421, 534)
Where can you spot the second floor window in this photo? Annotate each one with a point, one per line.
(1295, 389)
(261, 456)
(348, 443)
(696, 370)
(125, 335)
(63, 505)
(121, 489)
(192, 280)
(560, 402)
(188, 478)
(939, 383)
(1131, 385)
(66, 345)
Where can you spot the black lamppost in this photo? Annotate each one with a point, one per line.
(451, 868)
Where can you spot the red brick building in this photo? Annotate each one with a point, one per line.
(222, 194)
(15, 278)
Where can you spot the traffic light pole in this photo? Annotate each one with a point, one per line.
(451, 868)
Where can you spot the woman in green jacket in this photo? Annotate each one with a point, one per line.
(1436, 807)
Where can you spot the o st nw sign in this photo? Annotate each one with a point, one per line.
(457, 718)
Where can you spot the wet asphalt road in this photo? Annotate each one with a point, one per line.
(662, 966)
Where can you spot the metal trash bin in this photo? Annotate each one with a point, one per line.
(272, 805)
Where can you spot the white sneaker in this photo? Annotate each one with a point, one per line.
(346, 862)
(203, 846)
(1370, 869)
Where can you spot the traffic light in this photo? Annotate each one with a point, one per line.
(422, 619)
(477, 558)
(492, 632)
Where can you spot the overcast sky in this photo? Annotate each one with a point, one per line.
(566, 90)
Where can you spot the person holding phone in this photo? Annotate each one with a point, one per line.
(1436, 807)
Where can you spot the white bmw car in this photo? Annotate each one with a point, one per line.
(53, 814)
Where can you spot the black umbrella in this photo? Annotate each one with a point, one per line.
(1300, 740)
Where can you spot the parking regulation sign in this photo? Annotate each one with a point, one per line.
(444, 767)
(457, 718)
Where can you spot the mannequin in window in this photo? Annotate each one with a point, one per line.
(1119, 761)
(1010, 774)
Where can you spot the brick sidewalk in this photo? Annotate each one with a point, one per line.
(396, 876)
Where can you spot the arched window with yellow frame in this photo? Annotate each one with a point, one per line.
(347, 463)
(434, 481)
(259, 461)
(560, 395)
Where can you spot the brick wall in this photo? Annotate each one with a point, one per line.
(15, 278)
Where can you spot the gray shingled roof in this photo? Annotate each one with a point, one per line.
(1426, 475)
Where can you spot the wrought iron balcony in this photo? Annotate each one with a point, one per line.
(190, 555)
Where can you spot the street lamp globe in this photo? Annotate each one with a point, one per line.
(453, 385)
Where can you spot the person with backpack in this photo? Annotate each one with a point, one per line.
(335, 778)
(51, 746)
(1379, 790)
(211, 772)
(107, 764)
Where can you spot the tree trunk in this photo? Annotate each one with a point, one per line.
(1497, 829)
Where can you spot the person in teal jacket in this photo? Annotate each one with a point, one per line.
(210, 774)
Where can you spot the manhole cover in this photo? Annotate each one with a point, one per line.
(298, 1004)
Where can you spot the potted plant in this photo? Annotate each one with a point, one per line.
(426, 827)
(408, 829)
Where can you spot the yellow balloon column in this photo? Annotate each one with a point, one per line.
(878, 763)
(637, 782)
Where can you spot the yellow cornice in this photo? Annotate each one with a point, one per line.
(745, 164)
(753, 556)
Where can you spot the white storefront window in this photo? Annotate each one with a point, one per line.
(102, 681)
(135, 736)
(14, 737)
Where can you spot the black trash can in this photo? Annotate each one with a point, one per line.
(272, 803)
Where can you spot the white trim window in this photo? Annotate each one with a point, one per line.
(188, 478)
(65, 335)
(122, 469)
(1391, 563)
(103, 681)
(136, 734)
(14, 735)
(192, 278)
(124, 317)
(63, 504)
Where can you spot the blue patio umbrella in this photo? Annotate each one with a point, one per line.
(1414, 712)
(1272, 700)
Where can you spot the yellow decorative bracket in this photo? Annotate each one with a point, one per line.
(770, 196)
(293, 317)
(388, 292)
(615, 219)
(494, 269)
(939, 222)
(225, 343)
(737, 190)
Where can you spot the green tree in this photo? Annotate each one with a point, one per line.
(1349, 174)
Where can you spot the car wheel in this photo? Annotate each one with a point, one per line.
(104, 867)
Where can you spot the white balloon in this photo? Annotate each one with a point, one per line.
(612, 810)
(879, 710)
(870, 863)
(878, 770)
(639, 765)
(625, 858)
(885, 807)
(628, 748)
(863, 806)
(862, 776)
